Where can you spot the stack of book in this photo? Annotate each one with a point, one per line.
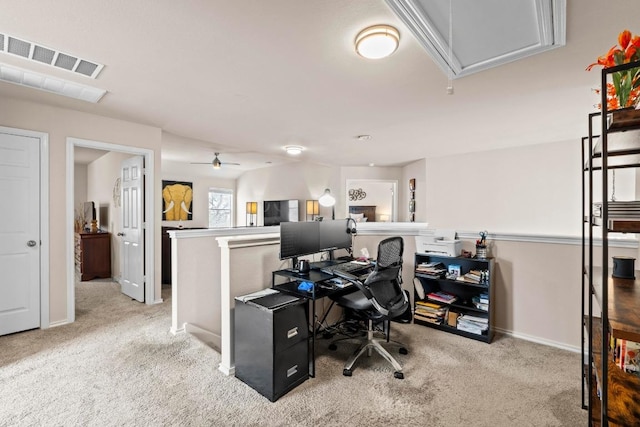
(475, 276)
(442, 296)
(627, 355)
(474, 324)
(619, 209)
(430, 312)
(481, 302)
(433, 270)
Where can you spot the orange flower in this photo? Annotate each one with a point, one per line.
(624, 38)
(624, 91)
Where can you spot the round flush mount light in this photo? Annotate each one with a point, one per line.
(293, 150)
(377, 42)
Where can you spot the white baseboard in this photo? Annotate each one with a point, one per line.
(539, 340)
(58, 323)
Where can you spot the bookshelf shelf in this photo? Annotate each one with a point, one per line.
(609, 305)
(447, 318)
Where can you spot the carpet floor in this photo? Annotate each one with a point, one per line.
(118, 365)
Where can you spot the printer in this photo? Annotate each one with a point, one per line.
(441, 242)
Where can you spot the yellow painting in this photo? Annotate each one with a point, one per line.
(177, 198)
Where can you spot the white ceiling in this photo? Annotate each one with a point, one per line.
(248, 77)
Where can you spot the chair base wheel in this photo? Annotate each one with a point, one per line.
(333, 347)
(403, 350)
(347, 372)
(398, 375)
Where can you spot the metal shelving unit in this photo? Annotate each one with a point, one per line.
(610, 394)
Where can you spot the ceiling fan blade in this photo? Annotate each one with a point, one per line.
(229, 163)
(200, 163)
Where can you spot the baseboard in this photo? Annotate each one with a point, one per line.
(539, 340)
(230, 372)
(176, 331)
(58, 323)
(209, 338)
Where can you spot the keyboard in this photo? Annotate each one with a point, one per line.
(346, 267)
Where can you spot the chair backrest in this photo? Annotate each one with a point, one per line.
(385, 282)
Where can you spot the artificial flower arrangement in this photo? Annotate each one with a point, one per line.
(624, 91)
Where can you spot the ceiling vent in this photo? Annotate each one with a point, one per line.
(31, 79)
(44, 55)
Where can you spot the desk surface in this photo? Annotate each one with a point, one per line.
(319, 278)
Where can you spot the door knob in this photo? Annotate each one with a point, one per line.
(121, 234)
(31, 243)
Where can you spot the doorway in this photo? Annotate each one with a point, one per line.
(150, 296)
(381, 193)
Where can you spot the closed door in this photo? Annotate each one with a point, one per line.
(19, 233)
(132, 233)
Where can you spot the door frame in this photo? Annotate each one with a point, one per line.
(149, 224)
(44, 217)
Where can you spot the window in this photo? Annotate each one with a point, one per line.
(220, 208)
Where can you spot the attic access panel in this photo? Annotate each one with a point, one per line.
(485, 33)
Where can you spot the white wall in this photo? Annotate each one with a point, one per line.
(79, 185)
(59, 124)
(301, 181)
(418, 171)
(534, 189)
(181, 171)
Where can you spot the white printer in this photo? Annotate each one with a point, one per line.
(441, 242)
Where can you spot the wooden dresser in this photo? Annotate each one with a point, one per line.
(93, 255)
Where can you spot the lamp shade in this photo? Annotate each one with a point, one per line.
(312, 207)
(377, 42)
(252, 208)
(327, 199)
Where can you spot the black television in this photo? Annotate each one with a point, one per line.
(278, 211)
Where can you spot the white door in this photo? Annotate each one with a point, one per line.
(19, 233)
(132, 234)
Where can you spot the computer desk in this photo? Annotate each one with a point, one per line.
(321, 289)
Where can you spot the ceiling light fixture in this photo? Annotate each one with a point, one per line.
(293, 150)
(377, 42)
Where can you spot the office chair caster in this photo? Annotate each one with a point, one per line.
(347, 372)
(403, 350)
(398, 375)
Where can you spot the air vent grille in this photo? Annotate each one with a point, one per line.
(44, 55)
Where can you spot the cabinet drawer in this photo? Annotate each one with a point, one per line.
(289, 327)
(291, 367)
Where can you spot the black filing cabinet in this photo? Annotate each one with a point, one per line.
(271, 343)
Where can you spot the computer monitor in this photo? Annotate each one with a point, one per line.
(299, 238)
(334, 235)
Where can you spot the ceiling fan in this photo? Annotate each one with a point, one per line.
(216, 163)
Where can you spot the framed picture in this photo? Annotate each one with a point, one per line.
(412, 206)
(177, 197)
(412, 184)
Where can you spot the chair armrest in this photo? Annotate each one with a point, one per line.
(354, 279)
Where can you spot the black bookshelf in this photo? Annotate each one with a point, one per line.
(464, 292)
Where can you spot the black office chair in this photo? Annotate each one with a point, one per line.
(379, 299)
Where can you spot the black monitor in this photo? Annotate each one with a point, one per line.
(299, 238)
(334, 235)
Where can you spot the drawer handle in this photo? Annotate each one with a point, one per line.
(292, 370)
(292, 332)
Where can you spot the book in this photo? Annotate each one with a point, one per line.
(442, 296)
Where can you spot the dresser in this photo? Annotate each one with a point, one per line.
(93, 255)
